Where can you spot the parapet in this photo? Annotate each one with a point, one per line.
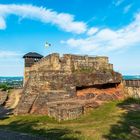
(70, 63)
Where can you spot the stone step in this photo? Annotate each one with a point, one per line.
(65, 110)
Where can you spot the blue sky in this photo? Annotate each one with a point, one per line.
(94, 27)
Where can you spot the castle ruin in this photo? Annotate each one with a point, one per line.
(66, 87)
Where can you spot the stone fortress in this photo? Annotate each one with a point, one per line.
(68, 86)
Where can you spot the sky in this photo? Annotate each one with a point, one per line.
(87, 27)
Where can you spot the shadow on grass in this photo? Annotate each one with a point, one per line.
(49, 134)
(30, 126)
(4, 113)
(129, 126)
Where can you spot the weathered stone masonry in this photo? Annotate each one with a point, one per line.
(51, 84)
(132, 88)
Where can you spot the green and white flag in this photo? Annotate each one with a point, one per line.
(47, 44)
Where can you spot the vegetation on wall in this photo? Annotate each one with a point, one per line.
(84, 70)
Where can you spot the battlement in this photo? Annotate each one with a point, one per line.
(70, 63)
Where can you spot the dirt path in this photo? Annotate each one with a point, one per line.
(13, 98)
(10, 104)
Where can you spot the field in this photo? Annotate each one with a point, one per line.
(112, 121)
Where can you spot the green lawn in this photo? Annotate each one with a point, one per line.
(110, 121)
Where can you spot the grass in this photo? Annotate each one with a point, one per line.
(110, 121)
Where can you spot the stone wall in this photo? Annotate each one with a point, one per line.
(49, 86)
(70, 63)
(133, 92)
(55, 79)
(132, 88)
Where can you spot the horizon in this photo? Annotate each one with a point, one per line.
(26, 26)
(23, 76)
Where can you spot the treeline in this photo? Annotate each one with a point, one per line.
(5, 87)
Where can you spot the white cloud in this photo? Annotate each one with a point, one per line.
(92, 31)
(62, 20)
(2, 24)
(10, 54)
(127, 8)
(109, 40)
(118, 2)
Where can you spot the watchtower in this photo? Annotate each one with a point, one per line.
(29, 59)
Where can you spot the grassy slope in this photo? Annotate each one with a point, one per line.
(109, 121)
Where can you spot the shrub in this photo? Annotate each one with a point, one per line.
(4, 87)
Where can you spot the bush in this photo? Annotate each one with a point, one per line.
(4, 87)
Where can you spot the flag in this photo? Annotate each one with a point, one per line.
(47, 44)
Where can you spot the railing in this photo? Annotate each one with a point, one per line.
(132, 83)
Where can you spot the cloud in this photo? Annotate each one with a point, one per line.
(11, 63)
(9, 54)
(62, 20)
(109, 40)
(92, 31)
(127, 8)
(118, 2)
(2, 24)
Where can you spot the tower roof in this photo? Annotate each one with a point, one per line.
(32, 55)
